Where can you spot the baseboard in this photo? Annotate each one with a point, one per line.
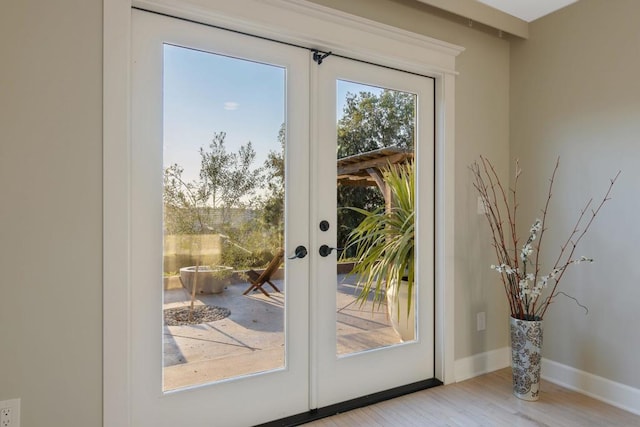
(611, 392)
(616, 394)
(482, 363)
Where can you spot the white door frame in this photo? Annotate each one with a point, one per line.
(293, 21)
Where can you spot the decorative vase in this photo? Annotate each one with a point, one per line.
(526, 357)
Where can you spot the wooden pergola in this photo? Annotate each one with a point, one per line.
(364, 169)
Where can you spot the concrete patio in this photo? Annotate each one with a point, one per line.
(251, 338)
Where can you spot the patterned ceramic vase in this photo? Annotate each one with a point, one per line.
(526, 357)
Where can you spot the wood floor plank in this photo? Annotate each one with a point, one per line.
(485, 401)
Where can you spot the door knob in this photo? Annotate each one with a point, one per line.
(326, 250)
(300, 252)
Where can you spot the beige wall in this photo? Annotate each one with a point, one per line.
(575, 93)
(51, 192)
(51, 210)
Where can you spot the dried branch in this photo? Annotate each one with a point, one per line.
(543, 223)
(574, 244)
(523, 295)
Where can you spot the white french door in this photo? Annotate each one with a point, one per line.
(276, 354)
(183, 387)
(357, 352)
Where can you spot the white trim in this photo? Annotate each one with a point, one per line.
(444, 229)
(611, 392)
(313, 26)
(293, 21)
(365, 25)
(482, 363)
(116, 213)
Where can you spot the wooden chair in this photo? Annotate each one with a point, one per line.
(258, 279)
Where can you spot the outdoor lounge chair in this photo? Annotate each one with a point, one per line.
(258, 279)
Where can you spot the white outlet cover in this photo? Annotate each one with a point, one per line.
(481, 321)
(14, 419)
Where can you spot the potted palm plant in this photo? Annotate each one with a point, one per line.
(385, 250)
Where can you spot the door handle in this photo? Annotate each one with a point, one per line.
(326, 250)
(300, 252)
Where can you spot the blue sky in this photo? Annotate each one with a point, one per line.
(206, 93)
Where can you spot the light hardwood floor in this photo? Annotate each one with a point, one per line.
(485, 401)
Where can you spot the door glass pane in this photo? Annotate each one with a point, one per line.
(376, 140)
(223, 154)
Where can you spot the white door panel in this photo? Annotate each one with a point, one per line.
(246, 399)
(345, 374)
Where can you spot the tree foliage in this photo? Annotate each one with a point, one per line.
(224, 200)
(183, 203)
(370, 122)
(273, 205)
(227, 179)
(374, 121)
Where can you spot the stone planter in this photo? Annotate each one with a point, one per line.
(526, 357)
(404, 325)
(344, 267)
(210, 280)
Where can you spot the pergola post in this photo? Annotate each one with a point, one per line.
(382, 185)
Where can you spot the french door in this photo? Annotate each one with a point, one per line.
(357, 351)
(238, 154)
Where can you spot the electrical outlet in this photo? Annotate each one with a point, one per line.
(6, 417)
(481, 321)
(10, 413)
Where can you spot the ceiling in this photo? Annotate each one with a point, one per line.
(527, 10)
(511, 16)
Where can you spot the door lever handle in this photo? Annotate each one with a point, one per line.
(326, 250)
(300, 252)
